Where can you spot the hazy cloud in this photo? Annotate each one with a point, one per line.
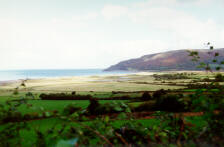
(113, 11)
(104, 34)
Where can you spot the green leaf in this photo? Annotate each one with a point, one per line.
(124, 105)
(117, 108)
(122, 116)
(128, 110)
(75, 115)
(107, 118)
(163, 134)
(47, 114)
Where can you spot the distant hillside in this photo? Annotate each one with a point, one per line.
(171, 60)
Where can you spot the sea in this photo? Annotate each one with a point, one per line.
(10, 75)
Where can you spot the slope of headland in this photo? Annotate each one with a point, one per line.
(165, 61)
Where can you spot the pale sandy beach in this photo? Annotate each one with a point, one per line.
(140, 81)
(123, 82)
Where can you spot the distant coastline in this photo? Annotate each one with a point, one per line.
(8, 76)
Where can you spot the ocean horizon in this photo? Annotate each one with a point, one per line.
(9, 75)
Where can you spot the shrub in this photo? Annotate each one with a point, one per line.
(30, 95)
(132, 135)
(35, 115)
(206, 80)
(92, 106)
(30, 116)
(159, 93)
(64, 96)
(73, 92)
(95, 108)
(124, 97)
(71, 108)
(12, 117)
(27, 117)
(219, 78)
(16, 91)
(171, 76)
(108, 108)
(203, 86)
(146, 96)
(171, 103)
(114, 92)
(146, 106)
(23, 84)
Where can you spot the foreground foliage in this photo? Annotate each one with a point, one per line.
(172, 129)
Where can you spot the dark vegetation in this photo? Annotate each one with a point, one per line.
(70, 109)
(163, 101)
(203, 86)
(73, 96)
(146, 96)
(64, 96)
(172, 76)
(169, 103)
(160, 100)
(171, 129)
(218, 78)
(159, 93)
(97, 109)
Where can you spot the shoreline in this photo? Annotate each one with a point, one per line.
(91, 78)
(9, 76)
(77, 76)
(105, 74)
(138, 81)
(104, 83)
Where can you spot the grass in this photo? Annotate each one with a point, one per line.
(9, 96)
(50, 105)
(135, 104)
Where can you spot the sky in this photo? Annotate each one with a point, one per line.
(77, 34)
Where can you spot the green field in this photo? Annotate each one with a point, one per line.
(50, 105)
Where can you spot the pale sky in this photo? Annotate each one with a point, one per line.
(61, 34)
